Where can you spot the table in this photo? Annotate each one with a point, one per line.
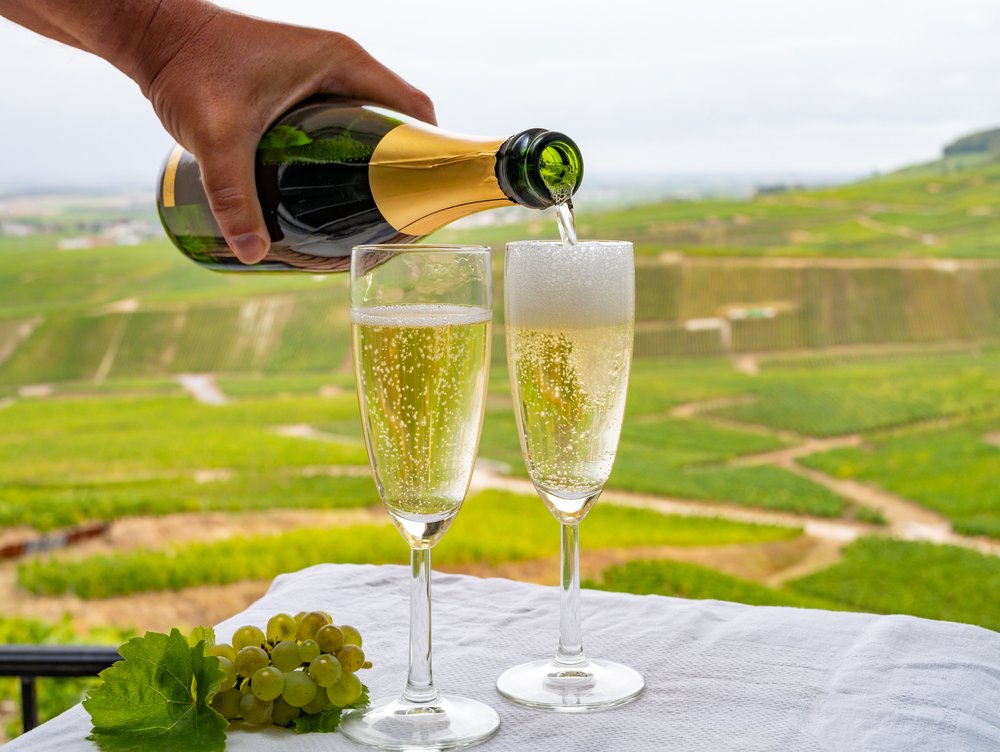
(720, 676)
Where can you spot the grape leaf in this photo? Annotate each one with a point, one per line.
(329, 719)
(202, 633)
(157, 698)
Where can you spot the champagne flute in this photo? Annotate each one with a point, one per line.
(421, 321)
(569, 313)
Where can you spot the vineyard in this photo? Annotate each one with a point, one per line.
(813, 420)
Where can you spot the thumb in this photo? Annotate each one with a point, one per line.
(228, 176)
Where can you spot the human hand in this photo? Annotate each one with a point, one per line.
(218, 79)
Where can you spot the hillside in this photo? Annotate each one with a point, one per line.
(874, 277)
(983, 142)
(947, 208)
(811, 368)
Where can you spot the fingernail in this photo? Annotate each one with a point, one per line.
(249, 248)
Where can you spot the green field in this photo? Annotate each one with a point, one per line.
(682, 580)
(868, 312)
(260, 557)
(923, 579)
(824, 396)
(953, 203)
(950, 470)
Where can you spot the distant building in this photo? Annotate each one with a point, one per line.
(17, 229)
(777, 188)
(124, 232)
(84, 241)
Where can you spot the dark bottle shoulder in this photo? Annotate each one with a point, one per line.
(325, 131)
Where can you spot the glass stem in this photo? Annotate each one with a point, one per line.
(570, 638)
(420, 688)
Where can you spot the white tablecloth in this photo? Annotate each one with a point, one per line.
(720, 676)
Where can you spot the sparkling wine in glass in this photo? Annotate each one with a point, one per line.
(421, 321)
(569, 327)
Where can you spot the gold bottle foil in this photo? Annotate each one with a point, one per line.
(423, 178)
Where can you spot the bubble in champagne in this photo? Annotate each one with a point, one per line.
(569, 311)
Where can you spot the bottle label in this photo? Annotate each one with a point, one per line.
(170, 176)
(422, 178)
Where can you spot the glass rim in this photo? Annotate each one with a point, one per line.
(419, 248)
(560, 243)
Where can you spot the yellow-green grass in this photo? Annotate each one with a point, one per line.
(533, 534)
(684, 457)
(53, 504)
(827, 396)
(36, 277)
(923, 579)
(308, 331)
(954, 471)
(683, 580)
(675, 457)
(64, 347)
(269, 386)
(128, 438)
(944, 202)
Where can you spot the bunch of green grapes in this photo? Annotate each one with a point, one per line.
(301, 665)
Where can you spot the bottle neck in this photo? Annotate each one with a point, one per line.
(538, 168)
(422, 178)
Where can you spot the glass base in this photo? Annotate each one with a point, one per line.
(448, 723)
(592, 685)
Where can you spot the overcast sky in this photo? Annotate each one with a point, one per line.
(665, 87)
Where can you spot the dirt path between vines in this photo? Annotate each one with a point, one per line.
(771, 564)
(206, 604)
(834, 530)
(905, 519)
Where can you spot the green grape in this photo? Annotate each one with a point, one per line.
(329, 619)
(267, 683)
(255, 711)
(245, 687)
(249, 660)
(366, 664)
(325, 670)
(229, 673)
(285, 656)
(222, 649)
(283, 714)
(351, 635)
(345, 691)
(298, 617)
(247, 636)
(227, 703)
(316, 704)
(299, 689)
(351, 658)
(280, 627)
(310, 625)
(330, 638)
(308, 650)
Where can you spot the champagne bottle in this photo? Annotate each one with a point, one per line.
(334, 173)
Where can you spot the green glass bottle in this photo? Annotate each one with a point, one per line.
(334, 173)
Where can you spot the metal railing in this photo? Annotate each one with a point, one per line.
(28, 662)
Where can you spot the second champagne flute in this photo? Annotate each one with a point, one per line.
(421, 320)
(569, 321)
